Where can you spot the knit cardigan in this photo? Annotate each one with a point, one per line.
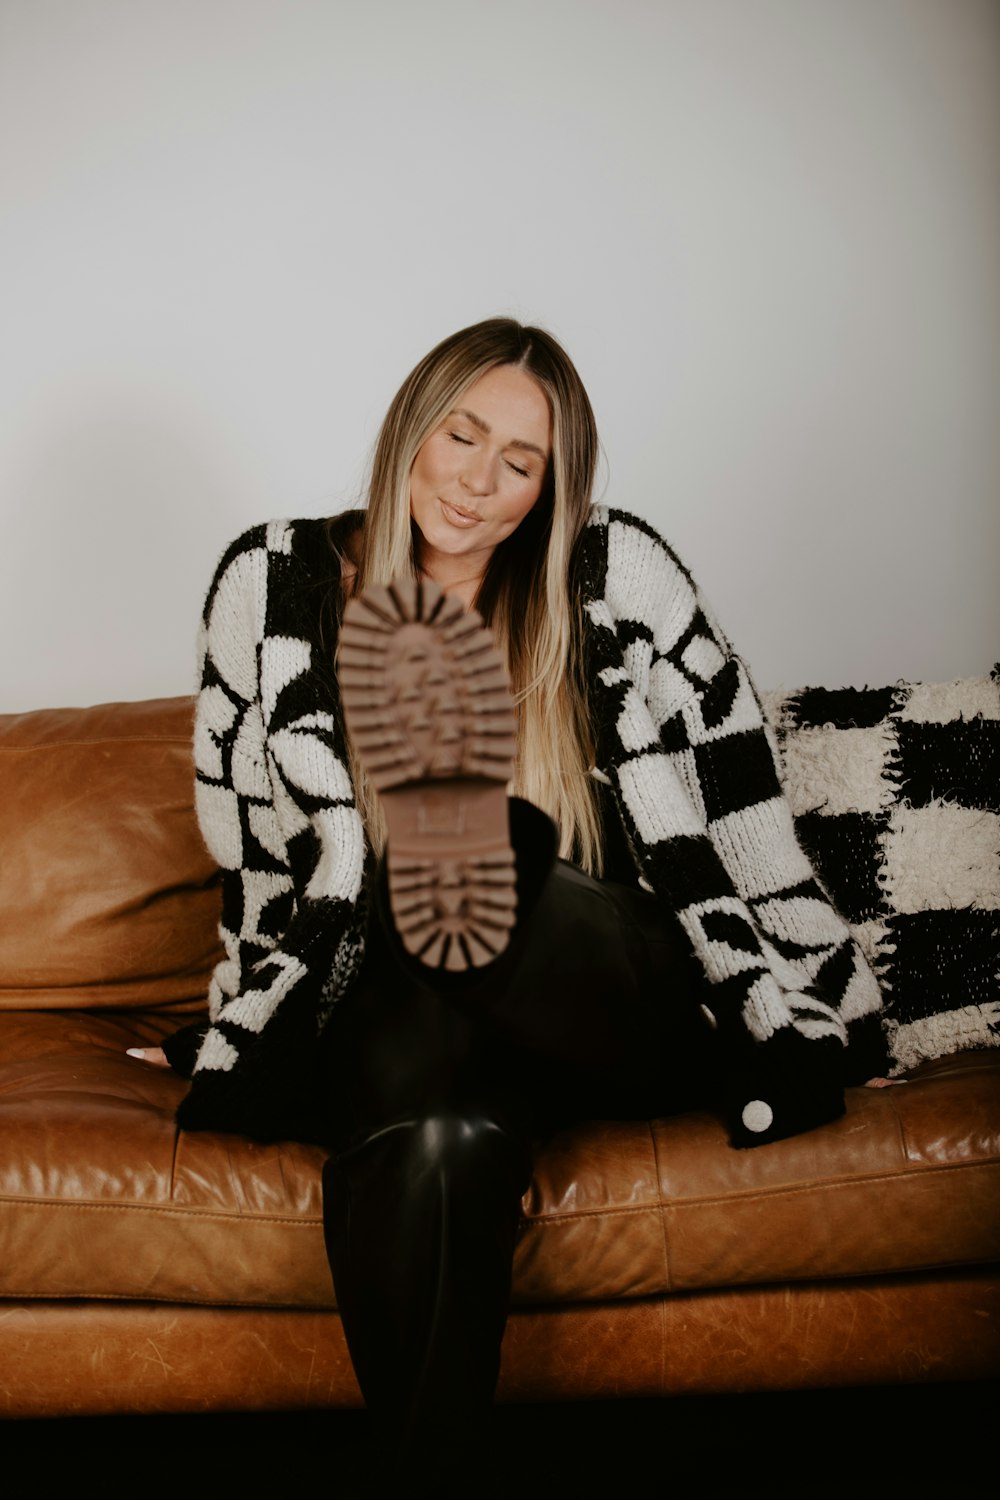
(681, 740)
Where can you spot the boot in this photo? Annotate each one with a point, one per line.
(423, 1189)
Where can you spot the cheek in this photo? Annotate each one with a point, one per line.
(522, 506)
(531, 498)
(432, 463)
(425, 481)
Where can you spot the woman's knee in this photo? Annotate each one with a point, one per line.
(444, 1145)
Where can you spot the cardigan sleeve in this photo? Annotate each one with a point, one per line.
(699, 790)
(276, 809)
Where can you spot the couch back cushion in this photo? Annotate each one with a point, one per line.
(108, 896)
(896, 796)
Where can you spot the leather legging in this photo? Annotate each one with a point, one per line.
(438, 1091)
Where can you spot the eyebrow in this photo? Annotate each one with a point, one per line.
(485, 427)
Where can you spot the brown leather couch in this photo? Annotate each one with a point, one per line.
(147, 1270)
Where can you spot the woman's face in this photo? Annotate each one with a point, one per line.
(481, 470)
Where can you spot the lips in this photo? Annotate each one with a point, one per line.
(457, 516)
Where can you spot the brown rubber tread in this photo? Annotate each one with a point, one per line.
(428, 708)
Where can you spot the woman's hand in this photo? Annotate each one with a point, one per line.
(154, 1055)
(884, 1083)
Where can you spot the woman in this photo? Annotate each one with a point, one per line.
(429, 1004)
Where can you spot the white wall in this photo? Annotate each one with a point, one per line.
(768, 231)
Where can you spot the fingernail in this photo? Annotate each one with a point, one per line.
(134, 1052)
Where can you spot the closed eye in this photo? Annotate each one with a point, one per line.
(457, 437)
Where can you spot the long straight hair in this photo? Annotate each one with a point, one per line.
(525, 595)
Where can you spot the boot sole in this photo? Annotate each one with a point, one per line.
(428, 708)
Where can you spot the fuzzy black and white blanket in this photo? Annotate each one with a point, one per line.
(896, 797)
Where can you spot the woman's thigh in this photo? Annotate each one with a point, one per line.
(606, 999)
(397, 1050)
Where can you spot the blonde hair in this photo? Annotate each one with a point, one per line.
(525, 594)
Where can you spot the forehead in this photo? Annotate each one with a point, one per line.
(511, 404)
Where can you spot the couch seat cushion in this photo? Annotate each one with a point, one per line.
(101, 1196)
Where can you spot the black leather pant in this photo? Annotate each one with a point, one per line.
(439, 1088)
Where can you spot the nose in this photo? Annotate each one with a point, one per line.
(479, 473)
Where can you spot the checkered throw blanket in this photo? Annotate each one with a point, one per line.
(896, 796)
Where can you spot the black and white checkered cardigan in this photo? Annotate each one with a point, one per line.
(680, 738)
